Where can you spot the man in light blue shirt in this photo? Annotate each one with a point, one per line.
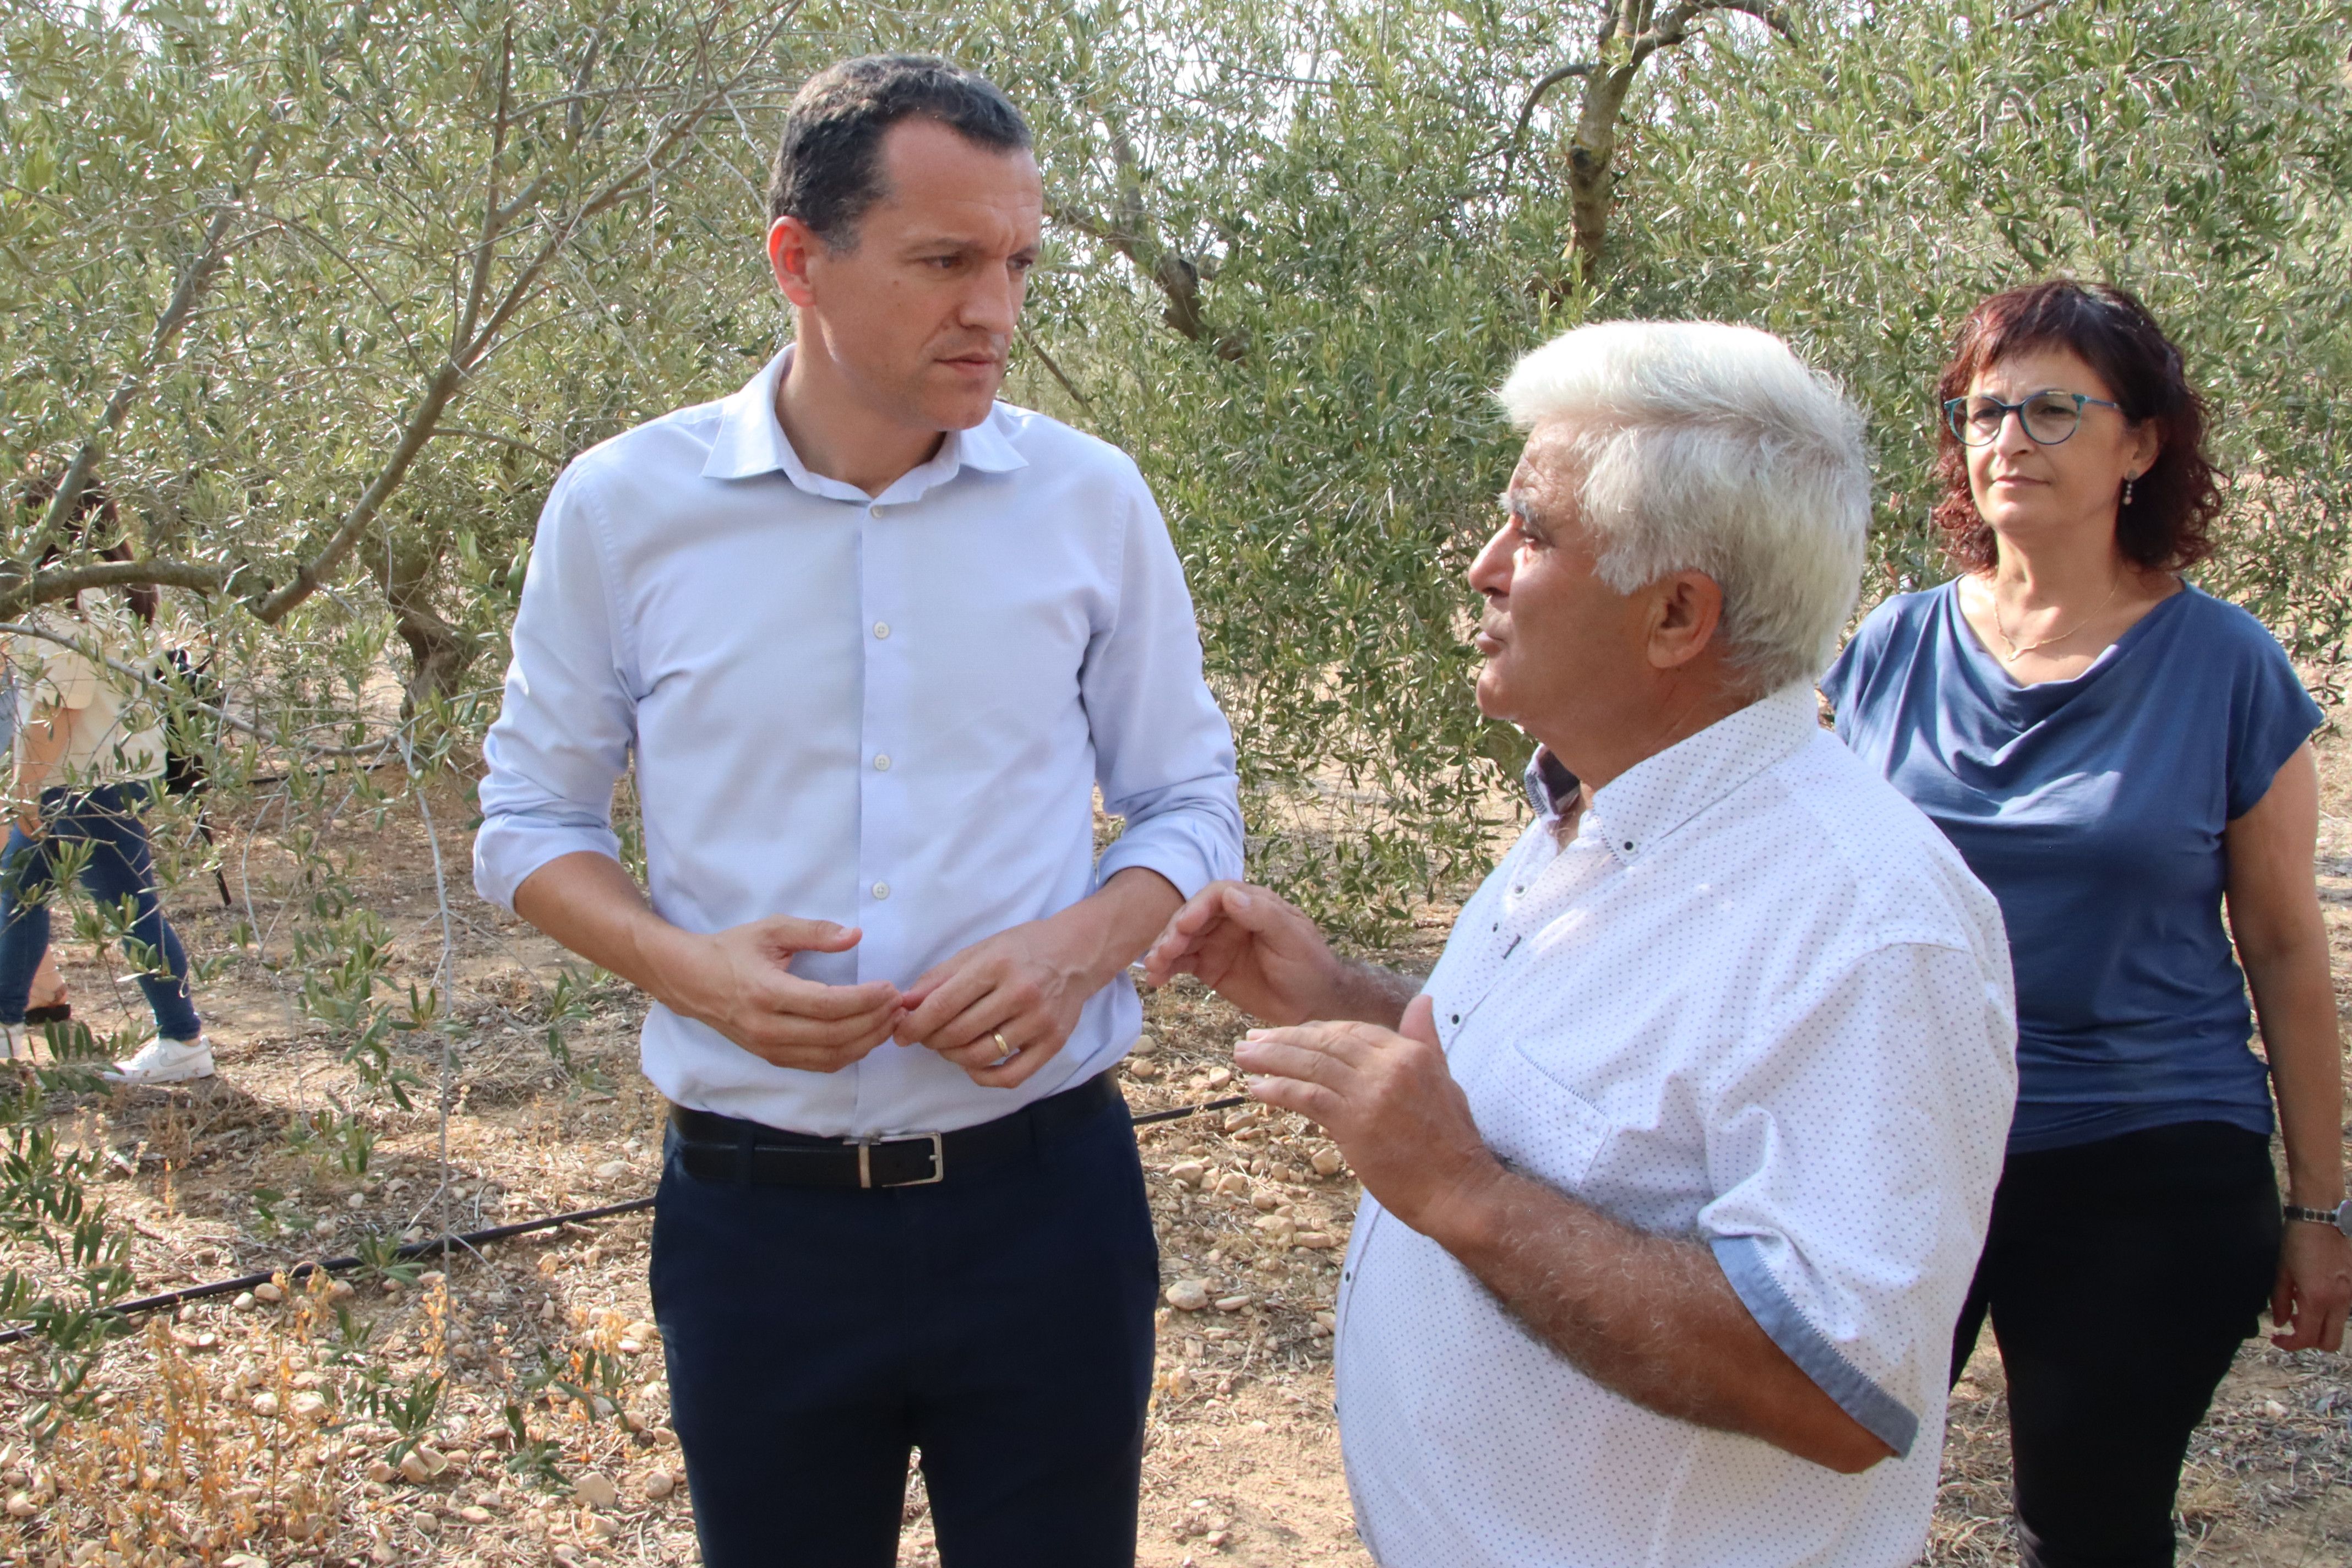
(874, 640)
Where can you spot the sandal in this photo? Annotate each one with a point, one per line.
(58, 1012)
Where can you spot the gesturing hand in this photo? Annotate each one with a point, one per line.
(1024, 988)
(737, 981)
(1250, 947)
(1390, 1103)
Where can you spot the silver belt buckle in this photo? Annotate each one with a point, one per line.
(939, 1162)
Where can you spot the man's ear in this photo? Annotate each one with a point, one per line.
(1686, 609)
(792, 244)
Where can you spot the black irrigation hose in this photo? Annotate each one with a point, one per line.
(472, 1238)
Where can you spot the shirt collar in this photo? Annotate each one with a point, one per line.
(750, 441)
(1640, 806)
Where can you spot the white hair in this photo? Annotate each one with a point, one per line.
(1713, 448)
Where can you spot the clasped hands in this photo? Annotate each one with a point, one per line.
(1025, 984)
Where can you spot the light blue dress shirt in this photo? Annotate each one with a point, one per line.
(887, 710)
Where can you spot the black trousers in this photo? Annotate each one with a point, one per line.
(2121, 1277)
(1000, 1321)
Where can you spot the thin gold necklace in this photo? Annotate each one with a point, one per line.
(2015, 652)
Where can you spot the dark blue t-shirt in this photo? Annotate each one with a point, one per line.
(2094, 808)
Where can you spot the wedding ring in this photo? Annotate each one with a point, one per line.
(1005, 1053)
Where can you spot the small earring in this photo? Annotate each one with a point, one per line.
(2128, 489)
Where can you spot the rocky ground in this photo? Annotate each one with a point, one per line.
(507, 1405)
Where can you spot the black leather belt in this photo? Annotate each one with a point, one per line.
(713, 1148)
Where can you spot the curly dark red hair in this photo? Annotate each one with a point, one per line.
(2168, 525)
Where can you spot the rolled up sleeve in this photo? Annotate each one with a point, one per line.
(562, 737)
(1163, 752)
(1855, 1162)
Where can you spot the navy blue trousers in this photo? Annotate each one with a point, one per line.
(998, 1322)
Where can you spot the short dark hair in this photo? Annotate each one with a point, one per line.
(828, 167)
(2168, 524)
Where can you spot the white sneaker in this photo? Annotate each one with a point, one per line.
(164, 1062)
(18, 1040)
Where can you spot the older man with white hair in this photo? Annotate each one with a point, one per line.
(1676, 1167)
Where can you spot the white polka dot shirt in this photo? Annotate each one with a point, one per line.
(1757, 1001)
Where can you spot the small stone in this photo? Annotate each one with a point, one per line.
(547, 1310)
(1262, 1201)
(20, 1506)
(1233, 1183)
(630, 1347)
(340, 1290)
(1232, 1303)
(1192, 1173)
(391, 1287)
(1327, 1321)
(1189, 1295)
(236, 1497)
(602, 1529)
(2273, 1409)
(1142, 1071)
(422, 1463)
(356, 1201)
(381, 1473)
(658, 1485)
(425, 1520)
(270, 1292)
(1327, 1161)
(643, 1330)
(265, 1405)
(611, 1170)
(206, 1341)
(1311, 1240)
(597, 1490)
(431, 1278)
(244, 1302)
(474, 1514)
(1217, 1537)
(1220, 1077)
(245, 1560)
(309, 1405)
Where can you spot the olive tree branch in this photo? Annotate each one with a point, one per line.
(193, 281)
(150, 680)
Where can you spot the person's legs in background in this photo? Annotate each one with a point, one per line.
(122, 867)
(23, 930)
(2122, 1277)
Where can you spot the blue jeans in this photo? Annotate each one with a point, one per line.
(1000, 1321)
(120, 866)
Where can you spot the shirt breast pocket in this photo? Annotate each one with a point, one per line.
(1535, 1124)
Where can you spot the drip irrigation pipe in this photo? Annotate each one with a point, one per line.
(446, 1244)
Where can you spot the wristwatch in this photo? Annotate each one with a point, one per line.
(2340, 1216)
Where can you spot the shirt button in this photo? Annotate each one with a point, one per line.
(881, 889)
(874, 511)
(882, 762)
(881, 629)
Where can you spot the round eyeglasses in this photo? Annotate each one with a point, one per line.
(2049, 416)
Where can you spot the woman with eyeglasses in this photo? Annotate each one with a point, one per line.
(2126, 762)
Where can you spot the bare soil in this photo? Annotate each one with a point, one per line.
(262, 1429)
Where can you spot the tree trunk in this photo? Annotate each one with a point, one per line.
(439, 653)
